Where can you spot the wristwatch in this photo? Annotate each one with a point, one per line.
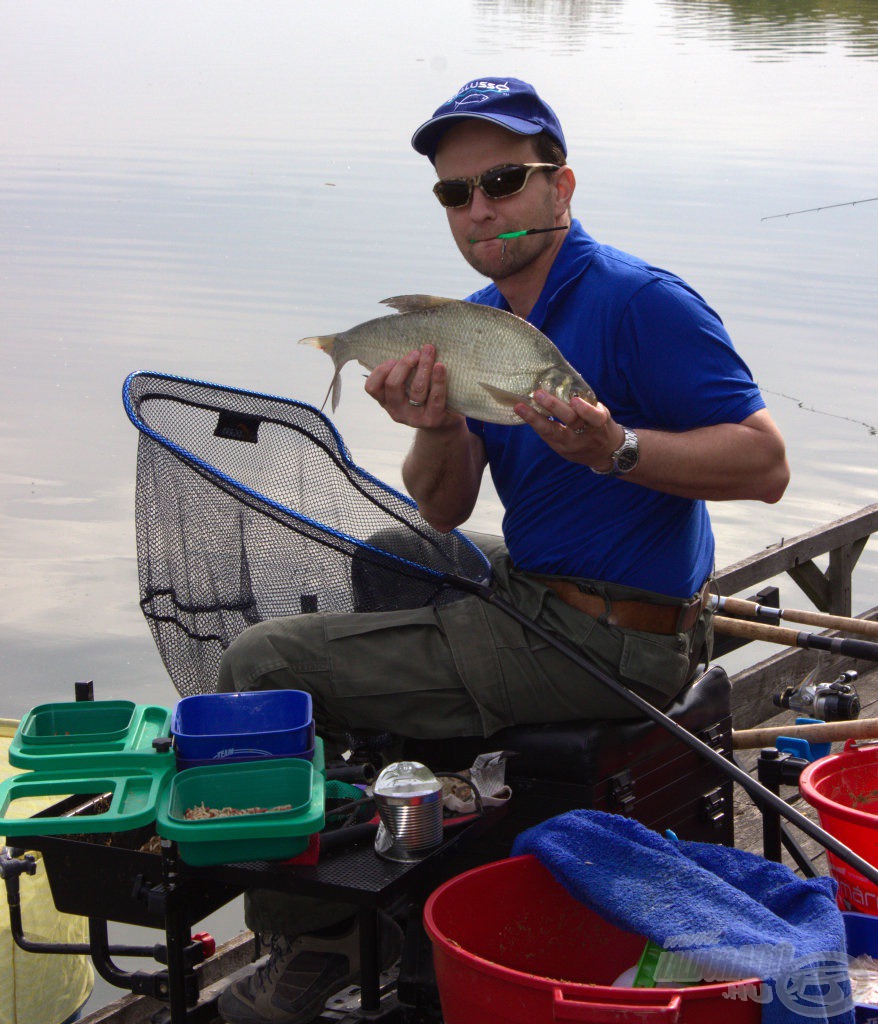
(624, 458)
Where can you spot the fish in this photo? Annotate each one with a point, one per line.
(494, 359)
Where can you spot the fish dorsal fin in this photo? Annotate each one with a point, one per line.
(507, 398)
(416, 303)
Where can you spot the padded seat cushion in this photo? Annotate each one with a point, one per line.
(585, 751)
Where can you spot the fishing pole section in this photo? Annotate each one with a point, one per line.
(815, 732)
(817, 209)
(748, 628)
(737, 607)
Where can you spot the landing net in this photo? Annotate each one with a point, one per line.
(249, 507)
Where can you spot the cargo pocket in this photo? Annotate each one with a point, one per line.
(660, 664)
(370, 652)
(395, 671)
(476, 634)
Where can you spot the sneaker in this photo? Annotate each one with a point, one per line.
(293, 984)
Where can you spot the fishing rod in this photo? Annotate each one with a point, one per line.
(817, 209)
(760, 794)
(865, 649)
(817, 732)
(506, 235)
(737, 607)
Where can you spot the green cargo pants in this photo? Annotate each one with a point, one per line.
(461, 669)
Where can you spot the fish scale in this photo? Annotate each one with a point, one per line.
(493, 358)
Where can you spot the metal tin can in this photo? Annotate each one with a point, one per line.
(409, 801)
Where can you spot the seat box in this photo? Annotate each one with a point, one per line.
(634, 768)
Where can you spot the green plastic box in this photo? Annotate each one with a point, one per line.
(90, 734)
(266, 835)
(319, 759)
(133, 794)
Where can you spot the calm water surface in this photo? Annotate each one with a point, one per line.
(190, 188)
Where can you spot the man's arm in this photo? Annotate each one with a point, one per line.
(720, 463)
(443, 469)
(728, 461)
(443, 473)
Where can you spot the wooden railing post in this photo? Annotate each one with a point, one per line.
(831, 591)
(843, 540)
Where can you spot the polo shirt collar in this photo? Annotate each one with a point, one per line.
(573, 257)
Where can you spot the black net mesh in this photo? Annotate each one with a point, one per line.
(249, 507)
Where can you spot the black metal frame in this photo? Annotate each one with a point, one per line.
(182, 895)
(776, 768)
(168, 908)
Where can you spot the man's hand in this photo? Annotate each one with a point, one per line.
(727, 461)
(413, 390)
(443, 469)
(578, 431)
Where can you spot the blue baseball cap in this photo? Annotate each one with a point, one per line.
(507, 102)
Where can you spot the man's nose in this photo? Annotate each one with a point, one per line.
(481, 207)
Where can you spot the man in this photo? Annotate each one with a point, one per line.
(607, 537)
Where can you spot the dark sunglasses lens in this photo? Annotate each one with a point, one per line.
(504, 182)
(452, 193)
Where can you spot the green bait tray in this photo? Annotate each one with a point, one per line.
(255, 786)
(132, 796)
(91, 734)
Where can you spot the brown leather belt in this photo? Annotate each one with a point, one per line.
(639, 615)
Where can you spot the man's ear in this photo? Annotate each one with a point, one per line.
(565, 185)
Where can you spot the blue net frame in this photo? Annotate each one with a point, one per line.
(249, 507)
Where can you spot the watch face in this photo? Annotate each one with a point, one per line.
(628, 454)
(626, 461)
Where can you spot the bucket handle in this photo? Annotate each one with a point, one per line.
(619, 1012)
(853, 745)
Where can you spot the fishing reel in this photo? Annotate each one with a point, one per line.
(831, 702)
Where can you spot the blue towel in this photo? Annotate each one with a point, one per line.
(732, 914)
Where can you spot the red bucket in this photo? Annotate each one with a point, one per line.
(512, 946)
(844, 789)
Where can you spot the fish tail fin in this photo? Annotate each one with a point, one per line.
(327, 343)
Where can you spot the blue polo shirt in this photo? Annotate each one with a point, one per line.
(659, 358)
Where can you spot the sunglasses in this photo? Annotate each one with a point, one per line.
(496, 183)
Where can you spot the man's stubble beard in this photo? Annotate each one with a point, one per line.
(518, 257)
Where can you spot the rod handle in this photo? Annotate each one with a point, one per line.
(818, 732)
(865, 649)
(738, 606)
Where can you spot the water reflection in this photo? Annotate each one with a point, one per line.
(769, 30)
(220, 200)
(765, 29)
(562, 24)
